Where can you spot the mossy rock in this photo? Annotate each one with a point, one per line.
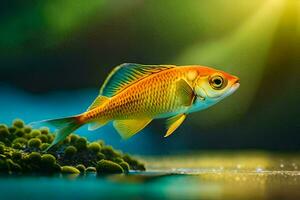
(70, 151)
(17, 155)
(22, 150)
(44, 146)
(81, 168)
(81, 144)
(108, 167)
(2, 148)
(44, 130)
(91, 170)
(48, 160)
(69, 170)
(27, 129)
(125, 166)
(20, 140)
(35, 157)
(18, 123)
(94, 147)
(43, 138)
(34, 133)
(34, 143)
(4, 131)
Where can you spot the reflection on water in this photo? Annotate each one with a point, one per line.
(251, 175)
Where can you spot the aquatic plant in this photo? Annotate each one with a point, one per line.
(22, 150)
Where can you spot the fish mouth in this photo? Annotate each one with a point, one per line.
(234, 87)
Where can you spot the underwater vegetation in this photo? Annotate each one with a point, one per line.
(22, 150)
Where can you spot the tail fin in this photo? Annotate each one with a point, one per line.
(65, 126)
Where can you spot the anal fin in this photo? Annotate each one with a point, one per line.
(127, 128)
(96, 124)
(173, 123)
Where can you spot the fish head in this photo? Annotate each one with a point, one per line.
(211, 86)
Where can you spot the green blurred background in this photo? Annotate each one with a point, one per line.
(54, 55)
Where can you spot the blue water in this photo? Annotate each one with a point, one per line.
(15, 103)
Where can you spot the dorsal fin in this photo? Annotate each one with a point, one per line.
(126, 74)
(97, 102)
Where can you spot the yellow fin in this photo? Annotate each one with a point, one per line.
(96, 124)
(185, 93)
(97, 102)
(173, 123)
(126, 74)
(127, 128)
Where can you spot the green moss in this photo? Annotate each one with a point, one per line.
(44, 130)
(17, 155)
(20, 151)
(17, 146)
(91, 170)
(35, 157)
(81, 168)
(81, 144)
(69, 170)
(100, 156)
(12, 130)
(109, 152)
(94, 147)
(74, 138)
(13, 167)
(108, 167)
(4, 132)
(2, 147)
(27, 129)
(70, 151)
(34, 133)
(125, 166)
(43, 138)
(44, 146)
(19, 132)
(34, 143)
(20, 140)
(48, 160)
(18, 123)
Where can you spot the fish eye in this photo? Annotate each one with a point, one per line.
(217, 82)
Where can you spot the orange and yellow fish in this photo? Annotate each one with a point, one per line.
(135, 94)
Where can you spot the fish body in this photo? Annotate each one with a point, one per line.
(134, 94)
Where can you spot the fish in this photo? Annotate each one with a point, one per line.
(135, 94)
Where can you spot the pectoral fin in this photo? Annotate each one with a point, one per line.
(173, 123)
(127, 128)
(185, 93)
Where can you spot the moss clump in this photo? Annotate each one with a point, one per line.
(91, 170)
(34, 143)
(4, 132)
(81, 143)
(94, 147)
(22, 150)
(44, 130)
(108, 167)
(43, 138)
(35, 133)
(125, 166)
(18, 123)
(69, 170)
(70, 151)
(27, 129)
(35, 157)
(81, 168)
